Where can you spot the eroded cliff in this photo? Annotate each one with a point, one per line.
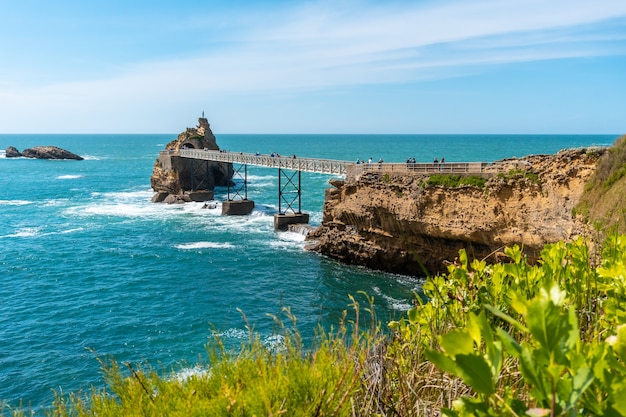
(404, 224)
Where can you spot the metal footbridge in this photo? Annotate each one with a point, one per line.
(289, 176)
(321, 166)
(336, 167)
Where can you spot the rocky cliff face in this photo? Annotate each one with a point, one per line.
(404, 225)
(178, 180)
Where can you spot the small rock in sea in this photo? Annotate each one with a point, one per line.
(12, 152)
(50, 152)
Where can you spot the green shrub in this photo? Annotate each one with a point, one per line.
(520, 173)
(455, 181)
(611, 166)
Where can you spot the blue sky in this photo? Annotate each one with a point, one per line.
(288, 66)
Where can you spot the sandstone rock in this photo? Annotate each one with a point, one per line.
(173, 175)
(50, 152)
(404, 226)
(12, 152)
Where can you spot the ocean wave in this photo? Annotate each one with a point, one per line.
(24, 232)
(232, 333)
(143, 195)
(37, 232)
(91, 158)
(15, 202)
(205, 245)
(197, 372)
(262, 178)
(393, 303)
(69, 177)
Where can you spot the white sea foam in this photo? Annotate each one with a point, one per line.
(91, 158)
(291, 237)
(186, 374)
(261, 177)
(76, 229)
(395, 304)
(275, 343)
(232, 333)
(205, 245)
(24, 232)
(15, 202)
(121, 210)
(69, 177)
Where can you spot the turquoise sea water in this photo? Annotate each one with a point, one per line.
(88, 264)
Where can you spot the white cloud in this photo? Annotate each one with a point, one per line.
(326, 46)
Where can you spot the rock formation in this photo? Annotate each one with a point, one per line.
(43, 152)
(178, 180)
(402, 224)
(12, 152)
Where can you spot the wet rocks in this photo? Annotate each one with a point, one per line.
(43, 152)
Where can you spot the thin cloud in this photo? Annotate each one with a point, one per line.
(333, 45)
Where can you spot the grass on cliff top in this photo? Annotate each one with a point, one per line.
(455, 181)
(508, 339)
(603, 202)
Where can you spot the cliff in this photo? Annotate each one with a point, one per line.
(178, 180)
(410, 225)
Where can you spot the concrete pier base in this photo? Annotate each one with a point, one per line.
(203, 195)
(237, 207)
(282, 221)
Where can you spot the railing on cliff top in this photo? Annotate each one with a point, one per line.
(336, 167)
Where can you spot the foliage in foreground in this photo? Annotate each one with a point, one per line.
(508, 339)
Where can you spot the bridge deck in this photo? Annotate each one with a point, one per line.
(337, 167)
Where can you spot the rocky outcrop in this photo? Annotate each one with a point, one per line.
(402, 224)
(179, 180)
(43, 152)
(12, 152)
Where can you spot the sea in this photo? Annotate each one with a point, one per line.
(90, 268)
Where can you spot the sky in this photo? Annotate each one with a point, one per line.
(329, 66)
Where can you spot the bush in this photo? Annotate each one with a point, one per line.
(455, 181)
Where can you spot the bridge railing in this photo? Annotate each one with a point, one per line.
(430, 168)
(323, 166)
(342, 168)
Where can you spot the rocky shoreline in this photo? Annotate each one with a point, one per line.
(401, 224)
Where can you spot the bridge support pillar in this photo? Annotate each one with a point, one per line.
(282, 221)
(237, 207)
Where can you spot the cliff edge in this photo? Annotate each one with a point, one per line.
(409, 224)
(179, 180)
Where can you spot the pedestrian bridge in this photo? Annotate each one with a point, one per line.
(289, 176)
(349, 169)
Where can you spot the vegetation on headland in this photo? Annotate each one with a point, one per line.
(455, 181)
(508, 339)
(602, 202)
(520, 173)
